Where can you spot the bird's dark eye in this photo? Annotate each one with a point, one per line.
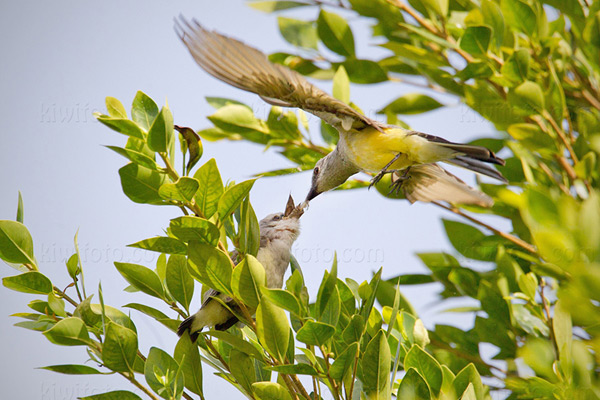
(276, 217)
(316, 170)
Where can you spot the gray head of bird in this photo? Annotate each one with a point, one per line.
(284, 225)
(329, 172)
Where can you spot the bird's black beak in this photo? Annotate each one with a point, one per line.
(312, 194)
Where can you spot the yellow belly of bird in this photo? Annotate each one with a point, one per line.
(371, 150)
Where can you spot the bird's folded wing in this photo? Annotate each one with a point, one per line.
(249, 69)
(430, 182)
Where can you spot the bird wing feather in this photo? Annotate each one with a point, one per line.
(247, 68)
(430, 182)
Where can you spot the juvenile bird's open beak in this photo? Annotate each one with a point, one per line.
(292, 211)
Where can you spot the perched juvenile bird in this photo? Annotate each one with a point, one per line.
(277, 234)
(364, 144)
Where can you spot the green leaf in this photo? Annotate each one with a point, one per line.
(57, 305)
(528, 97)
(341, 85)
(492, 16)
(114, 395)
(233, 197)
(297, 32)
(237, 342)
(188, 228)
(119, 348)
(183, 190)
(154, 313)
(413, 387)
(275, 5)
(210, 266)
(16, 245)
(516, 68)
(376, 364)
(469, 241)
(519, 15)
(247, 280)
(364, 71)
(237, 118)
(354, 331)
(296, 369)
(249, 229)
(440, 7)
(160, 133)
(179, 281)
(469, 376)
(194, 146)
(163, 374)
(141, 184)
(562, 327)
(270, 391)
(121, 125)
(427, 366)
(412, 103)
(211, 188)
(143, 110)
(469, 393)
(528, 284)
(476, 40)
(161, 244)
(19, 217)
(283, 298)
(72, 369)
(335, 33)
(273, 329)
(141, 278)
(68, 332)
(136, 157)
(591, 32)
(187, 356)
(29, 282)
(241, 367)
(344, 362)
(315, 333)
(115, 108)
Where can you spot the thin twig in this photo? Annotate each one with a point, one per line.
(518, 241)
(138, 385)
(65, 296)
(334, 386)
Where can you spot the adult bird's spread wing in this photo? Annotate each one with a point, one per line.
(249, 69)
(430, 182)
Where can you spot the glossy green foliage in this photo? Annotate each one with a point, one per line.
(530, 68)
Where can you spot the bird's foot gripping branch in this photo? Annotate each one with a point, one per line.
(287, 346)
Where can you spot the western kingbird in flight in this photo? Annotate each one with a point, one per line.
(364, 144)
(277, 235)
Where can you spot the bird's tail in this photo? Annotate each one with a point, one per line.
(471, 157)
(186, 325)
(475, 152)
(478, 166)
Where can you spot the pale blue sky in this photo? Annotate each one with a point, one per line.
(60, 59)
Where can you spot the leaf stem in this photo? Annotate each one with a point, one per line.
(131, 378)
(518, 241)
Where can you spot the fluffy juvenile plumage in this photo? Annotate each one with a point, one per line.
(277, 235)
